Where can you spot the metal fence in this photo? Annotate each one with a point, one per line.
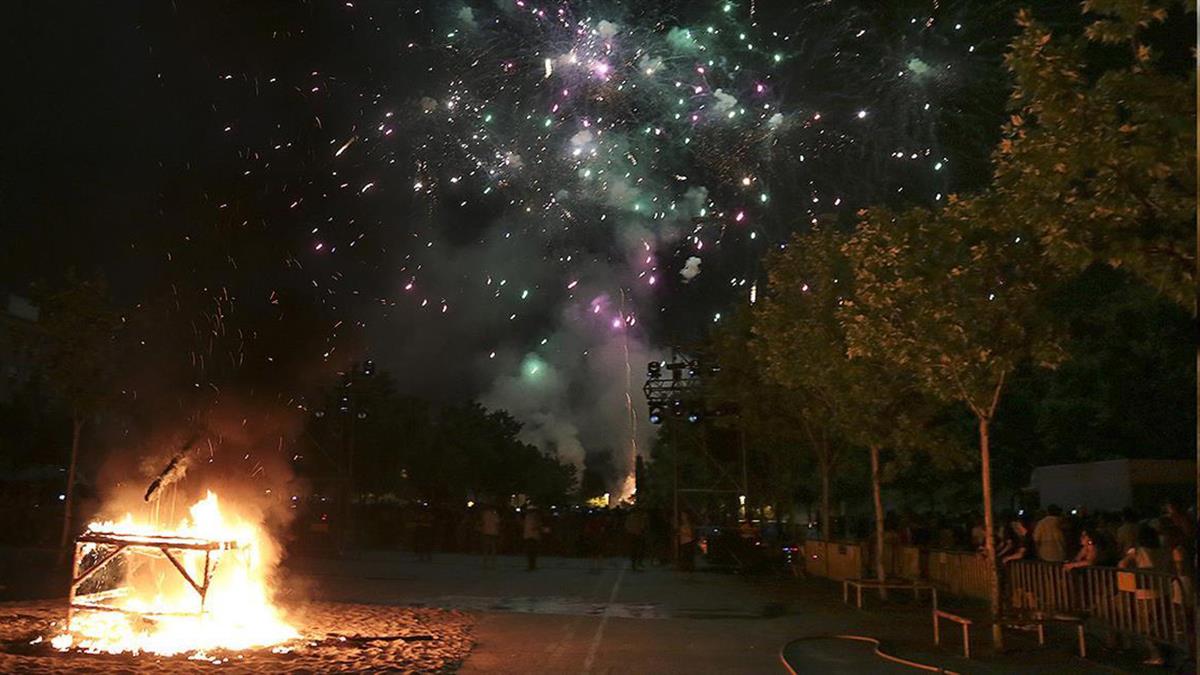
(963, 573)
(1154, 605)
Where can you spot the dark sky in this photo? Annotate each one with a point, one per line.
(184, 150)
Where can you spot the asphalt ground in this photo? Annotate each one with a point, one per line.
(570, 616)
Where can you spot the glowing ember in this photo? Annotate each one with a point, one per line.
(141, 601)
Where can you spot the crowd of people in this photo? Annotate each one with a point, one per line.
(530, 530)
(640, 534)
(1164, 541)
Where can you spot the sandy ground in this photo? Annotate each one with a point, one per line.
(324, 625)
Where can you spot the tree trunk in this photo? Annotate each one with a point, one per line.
(826, 528)
(69, 495)
(989, 547)
(876, 494)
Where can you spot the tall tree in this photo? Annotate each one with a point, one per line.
(1100, 149)
(766, 422)
(77, 356)
(797, 325)
(954, 300)
(865, 403)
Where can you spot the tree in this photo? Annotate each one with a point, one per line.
(1100, 148)
(953, 300)
(863, 402)
(766, 419)
(797, 324)
(77, 356)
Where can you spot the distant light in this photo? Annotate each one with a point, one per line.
(862, 114)
(62, 497)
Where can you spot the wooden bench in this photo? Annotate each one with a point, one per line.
(901, 584)
(960, 620)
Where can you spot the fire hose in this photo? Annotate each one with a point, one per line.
(862, 638)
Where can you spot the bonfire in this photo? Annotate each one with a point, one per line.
(198, 587)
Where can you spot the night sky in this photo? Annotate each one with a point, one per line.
(492, 199)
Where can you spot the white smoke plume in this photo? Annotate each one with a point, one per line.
(607, 29)
(691, 269)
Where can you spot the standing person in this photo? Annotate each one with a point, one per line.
(1019, 545)
(687, 542)
(1149, 556)
(1127, 531)
(1177, 514)
(1049, 538)
(978, 534)
(635, 530)
(531, 534)
(593, 540)
(1089, 551)
(489, 533)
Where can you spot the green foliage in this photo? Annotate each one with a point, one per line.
(800, 324)
(952, 298)
(1098, 159)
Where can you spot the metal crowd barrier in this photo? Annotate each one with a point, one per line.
(1154, 605)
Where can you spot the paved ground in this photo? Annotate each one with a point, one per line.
(568, 618)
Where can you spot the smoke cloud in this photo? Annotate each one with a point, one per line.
(691, 269)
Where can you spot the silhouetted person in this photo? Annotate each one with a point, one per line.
(1127, 532)
(1048, 536)
(635, 530)
(489, 533)
(687, 542)
(1147, 555)
(531, 534)
(593, 540)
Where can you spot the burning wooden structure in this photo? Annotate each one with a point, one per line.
(165, 546)
(139, 585)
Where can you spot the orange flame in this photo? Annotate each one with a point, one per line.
(163, 607)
